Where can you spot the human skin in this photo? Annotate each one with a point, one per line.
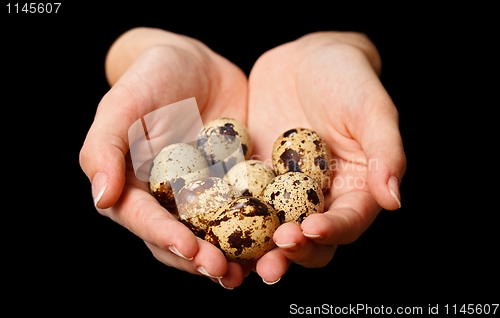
(327, 81)
(330, 81)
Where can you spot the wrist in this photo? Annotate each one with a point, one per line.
(356, 40)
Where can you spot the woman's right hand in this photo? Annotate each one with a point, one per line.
(147, 69)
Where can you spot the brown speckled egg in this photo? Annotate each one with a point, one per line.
(250, 177)
(294, 195)
(244, 229)
(173, 167)
(303, 150)
(198, 201)
(220, 139)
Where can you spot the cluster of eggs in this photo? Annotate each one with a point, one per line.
(232, 201)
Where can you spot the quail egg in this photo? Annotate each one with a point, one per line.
(173, 167)
(243, 229)
(220, 139)
(198, 201)
(250, 177)
(303, 150)
(294, 195)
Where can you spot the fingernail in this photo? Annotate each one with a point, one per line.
(99, 185)
(220, 283)
(286, 245)
(174, 250)
(393, 185)
(313, 236)
(204, 272)
(271, 283)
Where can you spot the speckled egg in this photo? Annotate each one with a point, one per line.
(198, 202)
(294, 195)
(250, 177)
(303, 150)
(220, 140)
(173, 167)
(243, 229)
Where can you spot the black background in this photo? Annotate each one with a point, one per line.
(439, 248)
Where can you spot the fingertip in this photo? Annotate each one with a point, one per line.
(183, 241)
(384, 180)
(174, 250)
(288, 236)
(385, 191)
(106, 190)
(105, 167)
(210, 258)
(314, 226)
(341, 226)
(272, 266)
(233, 277)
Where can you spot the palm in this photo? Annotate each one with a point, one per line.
(220, 92)
(291, 89)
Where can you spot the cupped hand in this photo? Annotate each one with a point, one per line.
(328, 81)
(148, 69)
(325, 81)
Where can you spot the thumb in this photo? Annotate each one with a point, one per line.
(139, 91)
(383, 146)
(102, 156)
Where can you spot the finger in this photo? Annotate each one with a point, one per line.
(272, 265)
(171, 241)
(233, 277)
(314, 242)
(346, 219)
(140, 213)
(301, 250)
(208, 261)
